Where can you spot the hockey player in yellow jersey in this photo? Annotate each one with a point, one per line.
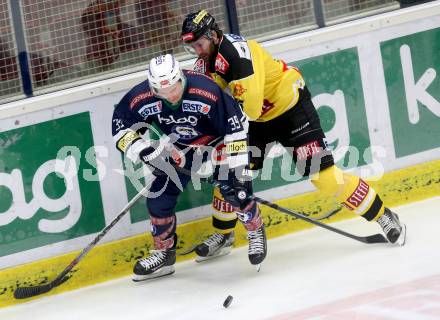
(278, 103)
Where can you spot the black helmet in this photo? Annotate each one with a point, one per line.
(197, 24)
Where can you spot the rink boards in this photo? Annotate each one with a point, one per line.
(375, 85)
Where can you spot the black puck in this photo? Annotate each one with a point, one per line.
(227, 301)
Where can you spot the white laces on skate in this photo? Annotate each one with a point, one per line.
(155, 259)
(256, 241)
(387, 223)
(214, 240)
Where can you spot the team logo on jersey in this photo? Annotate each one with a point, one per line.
(195, 106)
(192, 120)
(221, 65)
(238, 90)
(185, 132)
(200, 66)
(150, 109)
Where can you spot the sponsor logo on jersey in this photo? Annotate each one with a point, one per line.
(139, 98)
(236, 147)
(238, 90)
(185, 132)
(150, 109)
(221, 205)
(308, 150)
(195, 106)
(221, 65)
(359, 194)
(126, 140)
(192, 120)
(203, 93)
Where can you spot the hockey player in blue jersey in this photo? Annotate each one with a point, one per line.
(194, 116)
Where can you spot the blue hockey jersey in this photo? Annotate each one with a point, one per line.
(204, 116)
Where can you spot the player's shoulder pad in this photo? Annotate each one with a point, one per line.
(202, 86)
(138, 95)
(228, 54)
(234, 52)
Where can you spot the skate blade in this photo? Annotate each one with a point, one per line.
(165, 271)
(258, 267)
(222, 252)
(402, 237)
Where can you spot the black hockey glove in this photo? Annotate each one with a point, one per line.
(154, 158)
(158, 157)
(240, 188)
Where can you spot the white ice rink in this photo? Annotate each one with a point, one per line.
(309, 275)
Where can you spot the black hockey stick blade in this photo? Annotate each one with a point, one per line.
(28, 292)
(187, 251)
(376, 238)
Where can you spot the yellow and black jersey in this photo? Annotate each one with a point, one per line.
(267, 87)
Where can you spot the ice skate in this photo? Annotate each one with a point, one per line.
(257, 247)
(215, 246)
(158, 264)
(391, 226)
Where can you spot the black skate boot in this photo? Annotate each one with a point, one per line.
(393, 229)
(257, 246)
(216, 245)
(158, 264)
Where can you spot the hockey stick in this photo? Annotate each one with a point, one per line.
(322, 217)
(27, 292)
(328, 214)
(375, 238)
